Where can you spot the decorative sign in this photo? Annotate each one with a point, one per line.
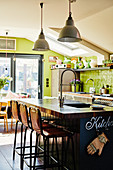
(88, 132)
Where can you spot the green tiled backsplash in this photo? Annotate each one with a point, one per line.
(100, 77)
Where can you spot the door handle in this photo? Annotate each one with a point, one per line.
(38, 88)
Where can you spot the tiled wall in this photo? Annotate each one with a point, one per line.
(100, 77)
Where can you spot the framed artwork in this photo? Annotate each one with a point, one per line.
(53, 58)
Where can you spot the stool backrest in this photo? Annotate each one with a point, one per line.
(3, 105)
(24, 114)
(36, 121)
(15, 110)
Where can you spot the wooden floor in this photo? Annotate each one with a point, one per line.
(6, 149)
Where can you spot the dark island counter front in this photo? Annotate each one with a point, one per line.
(85, 123)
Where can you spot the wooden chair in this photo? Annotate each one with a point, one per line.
(3, 113)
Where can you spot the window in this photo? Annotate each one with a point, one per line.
(5, 63)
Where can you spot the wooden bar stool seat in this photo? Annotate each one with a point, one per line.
(45, 125)
(56, 132)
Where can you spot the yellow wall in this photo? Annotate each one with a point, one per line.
(25, 46)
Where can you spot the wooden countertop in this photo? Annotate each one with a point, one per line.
(52, 106)
(78, 95)
(89, 95)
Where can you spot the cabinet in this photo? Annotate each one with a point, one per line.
(55, 81)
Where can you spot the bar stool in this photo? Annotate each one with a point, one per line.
(48, 133)
(16, 115)
(26, 121)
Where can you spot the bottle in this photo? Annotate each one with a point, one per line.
(107, 88)
(104, 90)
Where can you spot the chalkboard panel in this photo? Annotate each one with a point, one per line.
(88, 132)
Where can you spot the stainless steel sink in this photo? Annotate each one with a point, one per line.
(78, 105)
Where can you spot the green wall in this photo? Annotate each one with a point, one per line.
(47, 70)
(100, 77)
(25, 46)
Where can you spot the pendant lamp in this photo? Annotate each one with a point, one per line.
(41, 44)
(69, 32)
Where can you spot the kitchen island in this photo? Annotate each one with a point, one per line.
(85, 123)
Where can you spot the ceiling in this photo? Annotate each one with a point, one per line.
(94, 19)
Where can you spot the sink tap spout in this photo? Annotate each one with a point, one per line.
(61, 99)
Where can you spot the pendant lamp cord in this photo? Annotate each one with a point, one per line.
(6, 50)
(70, 1)
(41, 4)
(70, 8)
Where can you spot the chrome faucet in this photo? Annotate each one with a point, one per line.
(61, 99)
(93, 84)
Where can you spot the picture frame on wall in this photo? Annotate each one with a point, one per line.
(53, 58)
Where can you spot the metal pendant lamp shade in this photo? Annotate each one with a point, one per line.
(41, 44)
(69, 32)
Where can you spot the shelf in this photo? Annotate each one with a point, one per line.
(90, 69)
(96, 68)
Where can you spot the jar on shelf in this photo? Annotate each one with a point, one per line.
(93, 63)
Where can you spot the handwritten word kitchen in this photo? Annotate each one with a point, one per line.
(99, 122)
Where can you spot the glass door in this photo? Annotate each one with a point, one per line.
(27, 77)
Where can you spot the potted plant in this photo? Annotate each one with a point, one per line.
(78, 84)
(4, 81)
